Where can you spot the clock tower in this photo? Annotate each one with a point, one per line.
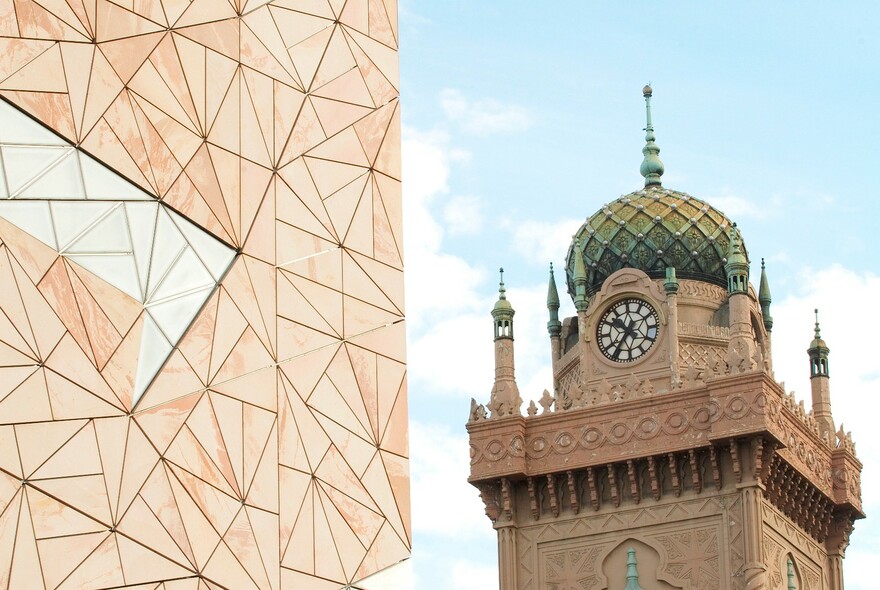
(666, 456)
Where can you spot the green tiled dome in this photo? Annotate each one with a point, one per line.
(652, 229)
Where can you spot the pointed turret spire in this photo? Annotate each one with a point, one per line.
(554, 326)
(652, 167)
(632, 574)
(579, 278)
(818, 352)
(792, 581)
(764, 298)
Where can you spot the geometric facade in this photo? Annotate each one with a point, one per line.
(202, 354)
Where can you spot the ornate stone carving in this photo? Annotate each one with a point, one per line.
(693, 555)
(572, 569)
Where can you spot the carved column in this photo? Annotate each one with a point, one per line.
(507, 558)
(755, 570)
(835, 572)
(670, 285)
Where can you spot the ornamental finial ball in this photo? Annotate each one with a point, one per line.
(646, 91)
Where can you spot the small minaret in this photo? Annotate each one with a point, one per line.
(579, 278)
(632, 574)
(737, 269)
(652, 167)
(554, 326)
(505, 399)
(764, 299)
(819, 382)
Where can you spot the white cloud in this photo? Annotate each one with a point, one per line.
(737, 207)
(485, 116)
(545, 241)
(463, 215)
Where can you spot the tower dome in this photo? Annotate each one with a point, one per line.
(652, 229)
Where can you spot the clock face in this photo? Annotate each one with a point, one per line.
(627, 330)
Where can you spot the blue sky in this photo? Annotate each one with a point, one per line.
(520, 122)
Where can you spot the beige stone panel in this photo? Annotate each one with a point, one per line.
(342, 147)
(397, 468)
(159, 497)
(242, 540)
(306, 134)
(365, 369)
(342, 204)
(391, 11)
(48, 330)
(180, 142)
(77, 59)
(119, 372)
(100, 570)
(391, 376)
(328, 562)
(70, 361)
(383, 56)
(257, 426)
(226, 168)
(296, 488)
(248, 355)
(336, 115)
(121, 119)
(141, 524)
(128, 54)
(360, 317)
(378, 484)
(386, 550)
(310, 304)
(73, 13)
(61, 555)
(205, 11)
(151, 9)
(226, 569)
(9, 486)
(102, 140)
(364, 522)
(34, 256)
(263, 49)
(327, 399)
(265, 527)
(381, 28)
(37, 442)
(392, 199)
(299, 550)
(12, 304)
(8, 28)
(293, 244)
(9, 460)
(140, 564)
(387, 341)
(115, 22)
(356, 449)
(193, 58)
(355, 14)
(32, 77)
(395, 437)
(164, 167)
(200, 171)
(295, 580)
(346, 543)
(15, 54)
(376, 283)
(104, 87)
(229, 414)
(51, 518)
(372, 129)
(264, 487)
(304, 372)
(334, 471)
(221, 37)
(225, 130)
(68, 400)
(10, 356)
(228, 328)
(335, 61)
(381, 89)
(218, 507)
(298, 202)
(112, 434)
(307, 54)
(348, 87)
(184, 198)
(324, 269)
(260, 240)
(302, 443)
(36, 22)
(388, 160)
(251, 285)
(286, 107)
(255, 183)
(29, 402)
(342, 372)
(300, 23)
(8, 526)
(200, 532)
(254, 145)
(198, 342)
(162, 421)
(120, 309)
(257, 388)
(78, 456)
(103, 336)
(140, 459)
(188, 452)
(12, 377)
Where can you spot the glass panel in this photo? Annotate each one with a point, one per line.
(116, 269)
(173, 316)
(185, 275)
(141, 226)
(61, 181)
(25, 163)
(16, 127)
(167, 246)
(102, 183)
(154, 350)
(74, 218)
(214, 254)
(109, 235)
(31, 216)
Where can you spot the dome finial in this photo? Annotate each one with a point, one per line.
(652, 167)
(816, 329)
(501, 290)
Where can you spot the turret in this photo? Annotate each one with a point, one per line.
(764, 298)
(820, 385)
(579, 278)
(554, 326)
(742, 342)
(505, 399)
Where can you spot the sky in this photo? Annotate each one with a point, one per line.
(519, 122)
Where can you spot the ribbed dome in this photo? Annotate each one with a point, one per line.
(652, 229)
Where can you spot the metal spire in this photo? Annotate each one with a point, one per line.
(652, 167)
(764, 298)
(501, 290)
(554, 326)
(632, 574)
